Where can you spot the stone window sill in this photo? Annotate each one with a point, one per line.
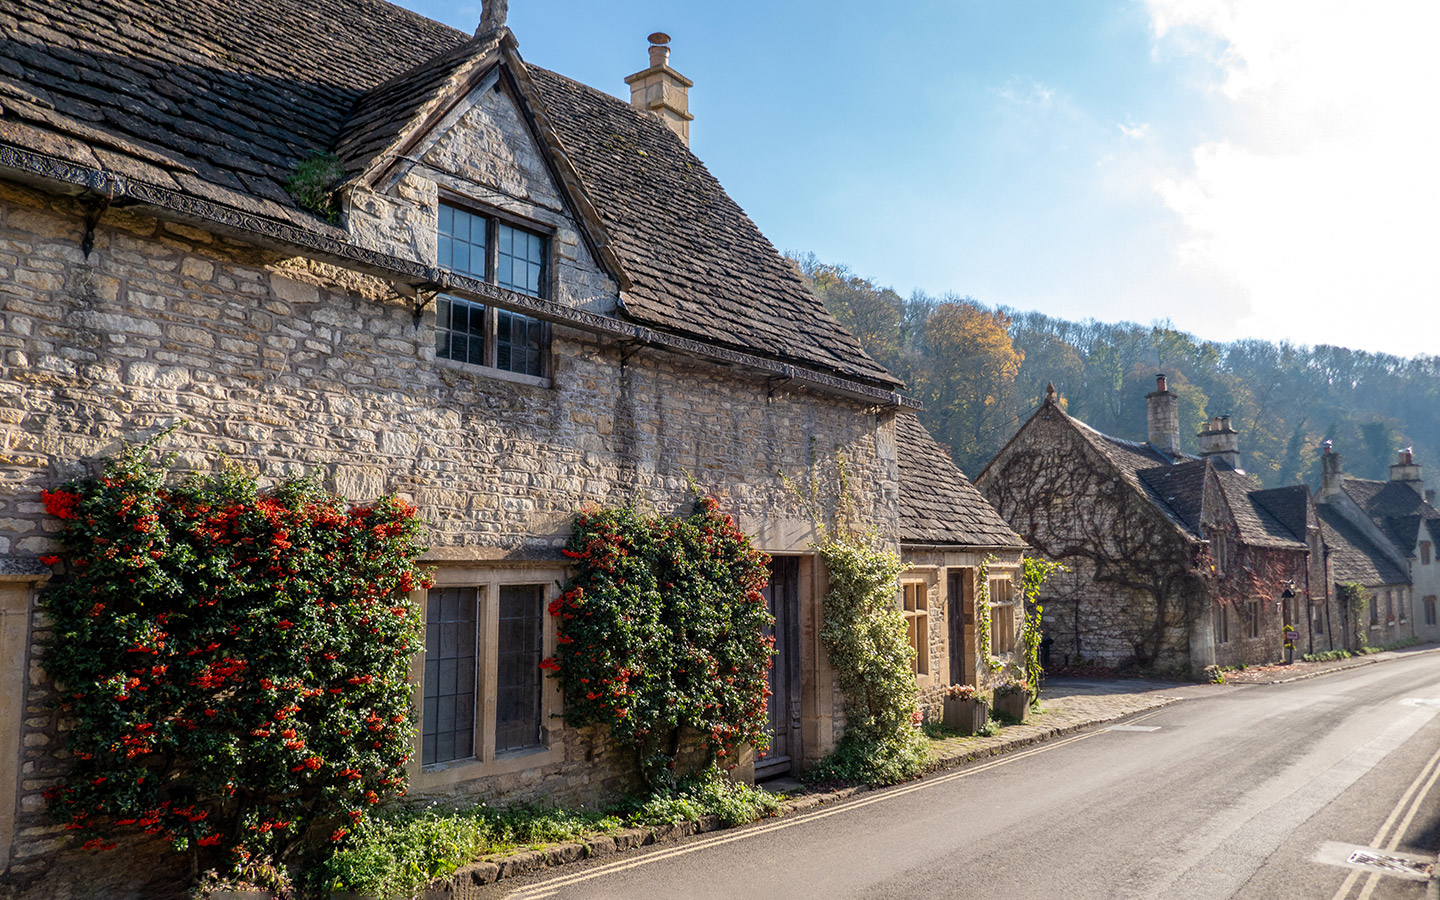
(447, 774)
(497, 374)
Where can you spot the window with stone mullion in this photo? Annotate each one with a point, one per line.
(498, 253)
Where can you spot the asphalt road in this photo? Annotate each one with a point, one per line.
(1248, 791)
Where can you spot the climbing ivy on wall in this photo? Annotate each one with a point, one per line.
(982, 615)
(234, 661)
(662, 628)
(865, 636)
(1036, 571)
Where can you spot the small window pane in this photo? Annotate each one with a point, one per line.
(517, 343)
(460, 330)
(521, 260)
(449, 730)
(517, 717)
(461, 247)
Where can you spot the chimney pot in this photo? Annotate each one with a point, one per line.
(662, 90)
(1162, 414)
(1331, 472)
(1220, 441)
(1407, 471)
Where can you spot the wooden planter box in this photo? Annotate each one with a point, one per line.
(1013, 705)
(966, 716)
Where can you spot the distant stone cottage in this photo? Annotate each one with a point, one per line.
(1175, 562)
(510, 294)
(1383, 535)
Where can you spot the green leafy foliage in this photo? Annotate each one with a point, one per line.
(235, 663)
(396, 852)
(662, 628)
(400, 850)
(1036, 572)
(960, 356)
(865, 637)
(1354, 597)
(708, 794)
(313, 184)
(983, 610)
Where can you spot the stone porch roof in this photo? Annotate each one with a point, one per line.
(938, 504)
(171, 94)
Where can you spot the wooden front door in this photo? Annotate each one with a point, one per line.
(783, 597)
(962, 668)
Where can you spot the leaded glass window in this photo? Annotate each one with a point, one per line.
(490, 250)
(450, 658)
(517, 716)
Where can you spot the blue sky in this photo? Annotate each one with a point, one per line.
(1242, 168)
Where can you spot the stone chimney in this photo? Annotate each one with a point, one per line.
(1331, 472)
(1407, 471)
(662, 90)
(1162, 408)
(1220, 441)
(492, 15)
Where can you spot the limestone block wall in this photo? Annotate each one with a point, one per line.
(1129, 592)
(291, 366)
(481, 153)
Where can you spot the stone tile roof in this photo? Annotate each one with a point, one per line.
(386, 113)
(1176, 486)
(1258, 526)
(1182, 488)
(697, 261)
(174, 94)
(938, 504)
(1353, 556)
(1395, 507)
(1290, 505)
(1131, 458)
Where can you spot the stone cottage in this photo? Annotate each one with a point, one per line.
(948, 535)
(1384, 535)
(505, 295)
(1175, 562)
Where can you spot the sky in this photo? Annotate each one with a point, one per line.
(1238, 168)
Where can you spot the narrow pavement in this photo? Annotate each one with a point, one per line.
(1236, 791)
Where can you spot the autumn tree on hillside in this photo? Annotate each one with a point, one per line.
(969, 382)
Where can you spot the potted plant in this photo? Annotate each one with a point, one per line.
(1012, 699)
(965, 711)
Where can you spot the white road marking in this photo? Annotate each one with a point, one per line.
(551, 886)
(1413, 796)
(1371, 859)
(1227, 853)
(1420, 701)
(1133, 728)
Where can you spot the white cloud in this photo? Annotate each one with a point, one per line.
(1319, 198)
(1134, 132)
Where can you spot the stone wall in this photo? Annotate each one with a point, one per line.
(1130, 591)
(285, 365)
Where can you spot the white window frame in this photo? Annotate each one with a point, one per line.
(1004, 635)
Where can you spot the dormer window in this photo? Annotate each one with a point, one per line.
(498, 252)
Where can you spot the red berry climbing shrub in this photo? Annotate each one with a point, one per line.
(234, 661)
(663, 627)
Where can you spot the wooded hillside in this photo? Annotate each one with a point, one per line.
(982, 370)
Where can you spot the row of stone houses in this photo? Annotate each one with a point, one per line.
(529, 296)
(1383, 536)
(1178, 562)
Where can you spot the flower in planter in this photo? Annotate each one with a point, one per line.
(960, 692)
(1008, 688)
